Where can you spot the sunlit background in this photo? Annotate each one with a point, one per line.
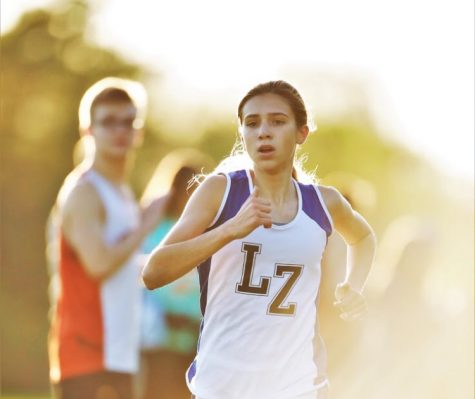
(391, 87)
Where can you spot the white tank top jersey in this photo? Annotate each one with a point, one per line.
(121, 293)
(258, 299)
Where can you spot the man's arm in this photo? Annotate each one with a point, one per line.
(82, 223)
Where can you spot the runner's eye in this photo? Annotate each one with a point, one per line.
(250, 123)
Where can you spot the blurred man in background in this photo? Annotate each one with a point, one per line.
(94, 336)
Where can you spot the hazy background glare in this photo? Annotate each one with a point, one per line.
(390, 85)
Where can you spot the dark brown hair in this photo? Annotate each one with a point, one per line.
(284, 90)
(182, 185)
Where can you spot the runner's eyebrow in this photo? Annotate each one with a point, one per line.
(270, 114)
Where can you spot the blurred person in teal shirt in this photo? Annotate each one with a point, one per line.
(170, 315)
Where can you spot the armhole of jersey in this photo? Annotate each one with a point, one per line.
(96, 181)
(223, 201)
(324, 206)
(69, 183)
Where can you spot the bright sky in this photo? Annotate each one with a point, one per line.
(415, 56)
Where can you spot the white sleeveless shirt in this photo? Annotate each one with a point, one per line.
(258, 299)
(121, 292)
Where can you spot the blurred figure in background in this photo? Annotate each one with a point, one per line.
(398, 341)
(94, 336)
(407, 325)
(170, 315)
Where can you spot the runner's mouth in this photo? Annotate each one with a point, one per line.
(265, 149)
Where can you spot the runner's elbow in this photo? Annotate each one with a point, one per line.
(151, 275)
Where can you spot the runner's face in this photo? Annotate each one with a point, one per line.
(270, 132)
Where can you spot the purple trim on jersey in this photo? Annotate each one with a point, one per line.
(237, 195)
(191, 371)
(203, 272)
(313, 208)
